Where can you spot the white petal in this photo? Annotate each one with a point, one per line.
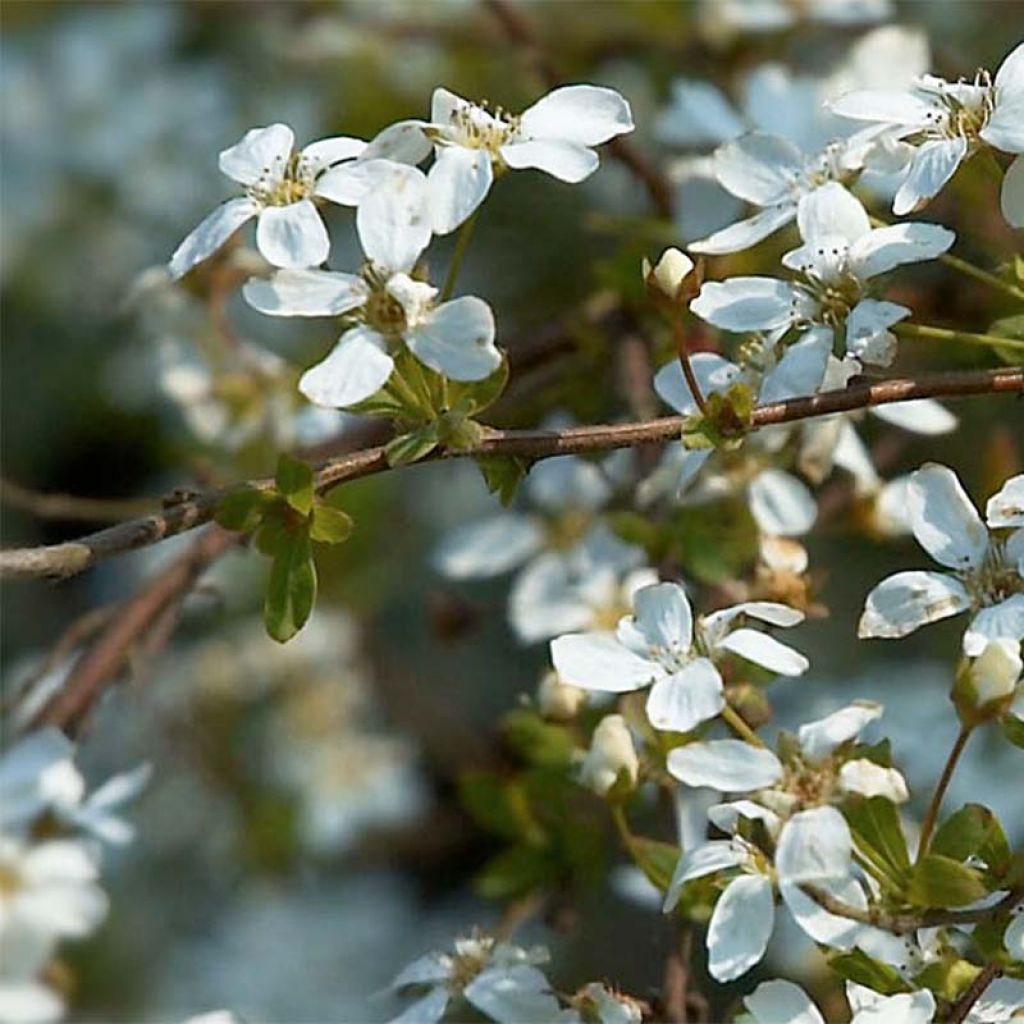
(566, 161)
(426, 969)
(1006, 507)
(687, 698)
(831, 210)
(698, 114)
(782, 1002)
(489, 547)
(513, 995)
(428, 1009)
(870, 779)
(820, 925)
(24, 1001)
(919, 416)
(1011, 198)
(305, 293)
(758, 167)
(404, 142)
(867, 331)
(781, 504)
(293, 235)
(393, 220)
(546, 600)
(801, 370)
(1005, 128)
(1003, 621)
(597, 661)
(740, 927)
(211, 234)
(902, 1008)
(568, 482)
(663, 616)
(1013, 937)
(875, 105)
(815, 846)
(727, 816)
(325, 152)
(766, 611)
(818, 739)
(745, 303)
(905, 601)
(698, 861)
(933, 165)
(261, 153)
(884, 248)
(459, 181)
(730, 766)
(585, 114)
(713, 373)
(457, 339)
(745, 233)
(766, 651)
(945, 521)
(357, 367)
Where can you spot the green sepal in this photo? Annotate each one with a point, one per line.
(875, 824)
(1013, 729)
(858, 967)
(472, 397)
(502, 474)
(947, 977)
(291, 590)
(728, 417)
(294, 481)
(657, 860)
(457, 431)
(242, 509)
(329, 525)
(412, 447)
(939, 881)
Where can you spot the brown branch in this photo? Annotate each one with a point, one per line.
(962, 1007)
(67, 506)
(105, 659)
(72, 557)
(911, 921)
(520, 32)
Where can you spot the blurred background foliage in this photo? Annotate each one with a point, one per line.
(304, 835)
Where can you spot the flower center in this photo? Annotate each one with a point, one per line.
(475, 127)
(285, 181)
(995, 579)
(469, 960)
(381, 311)
(963, 109)
(829, 289)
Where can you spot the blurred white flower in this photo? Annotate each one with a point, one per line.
(280, 187)
(611, 753)
(499, 980)
(660, 646)
(986, 568)
(936, 125)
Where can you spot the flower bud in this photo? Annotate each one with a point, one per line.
(870, 779)
(987, 683)
(611, 753)
(666, 280)
(559, 701)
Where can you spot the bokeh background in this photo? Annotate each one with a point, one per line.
(302, 837)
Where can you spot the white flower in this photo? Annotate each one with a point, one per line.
(557, 701)
(840, 255)
(611, 753)
(575, 573)
(499, 980)
(471, 144)
(38, 777)
(782, 1002)
(986, 568)
(993, 675)
(384, 303)
(659, 646)
(280, 188)
(940, 124)
(598, 1004)
(770, 172)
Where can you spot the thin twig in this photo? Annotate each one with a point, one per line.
(902, 923)
(72, 557)
(71, 507)
(932, 814)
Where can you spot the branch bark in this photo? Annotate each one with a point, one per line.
(60, 561)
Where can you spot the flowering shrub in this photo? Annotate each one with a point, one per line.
(656, 579)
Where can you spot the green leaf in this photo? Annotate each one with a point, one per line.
(514, 873)
(875, 824)
(972, 831)
(858, 967)
(294, 481)
(411, 447)
(242, 509)
(329, 525)
(486, 800)
(939, 881)
(275, 528)
(472, 397)
(1013, 729)
(291, 591)
(655, 859)
(536, 741)
(502, 474)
